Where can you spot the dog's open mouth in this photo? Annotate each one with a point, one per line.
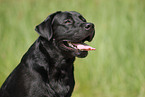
(78, 46)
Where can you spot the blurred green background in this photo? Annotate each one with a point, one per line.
(115, 69)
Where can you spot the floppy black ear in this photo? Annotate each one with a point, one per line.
(45, 28)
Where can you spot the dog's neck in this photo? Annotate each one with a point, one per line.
(51, 50)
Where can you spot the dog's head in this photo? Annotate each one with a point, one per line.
(70, 30)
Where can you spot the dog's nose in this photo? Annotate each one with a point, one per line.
(89, 26)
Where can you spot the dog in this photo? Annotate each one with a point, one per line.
(46, 69)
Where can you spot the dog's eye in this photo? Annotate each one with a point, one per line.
(84, 20)
(68, 21)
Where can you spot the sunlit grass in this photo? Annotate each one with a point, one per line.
(115, 69)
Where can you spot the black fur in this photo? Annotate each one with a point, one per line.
(46, 70)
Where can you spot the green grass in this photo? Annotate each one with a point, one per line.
(115, 69)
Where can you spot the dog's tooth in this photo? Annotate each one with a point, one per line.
(81, 49)
(75, 47)
(70, 44)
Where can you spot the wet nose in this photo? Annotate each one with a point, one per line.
(89, 26)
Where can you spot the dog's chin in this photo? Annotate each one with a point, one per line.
(81, 54)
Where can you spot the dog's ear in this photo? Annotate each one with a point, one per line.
(45, 28)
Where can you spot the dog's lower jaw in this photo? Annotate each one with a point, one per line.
(81, 54)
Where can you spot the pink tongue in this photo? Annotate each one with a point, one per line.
(84, 47)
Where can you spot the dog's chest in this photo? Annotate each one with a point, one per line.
(62, 83)
(61, 77)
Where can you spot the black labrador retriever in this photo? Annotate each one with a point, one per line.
(46, 69)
